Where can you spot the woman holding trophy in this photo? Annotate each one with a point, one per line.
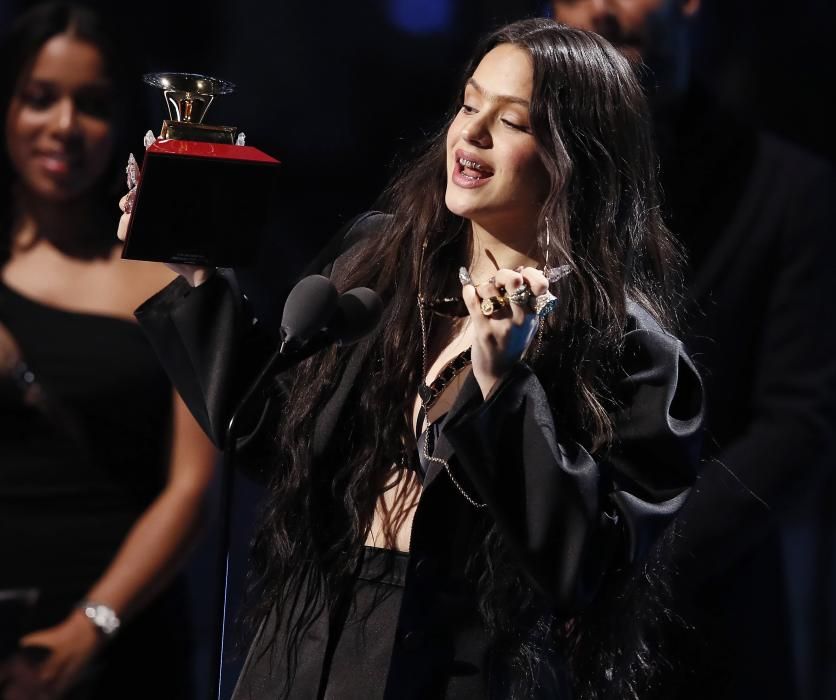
(459, 505)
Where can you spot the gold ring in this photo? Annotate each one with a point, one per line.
(492, 304)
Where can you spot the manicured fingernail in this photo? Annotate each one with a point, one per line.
(132, 171)
(464, 276)
(553, 274)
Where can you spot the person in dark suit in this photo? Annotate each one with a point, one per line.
(757, 217)
(453, 500)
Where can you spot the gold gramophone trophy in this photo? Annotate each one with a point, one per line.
(203, 196)
(188, 97)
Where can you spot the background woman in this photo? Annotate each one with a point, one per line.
(456, 500)
(102, 470)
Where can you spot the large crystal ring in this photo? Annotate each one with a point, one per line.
(520, 295)
(544, 304)
(555, 274)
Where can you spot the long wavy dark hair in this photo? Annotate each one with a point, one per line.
(590, 123)
(19, 47)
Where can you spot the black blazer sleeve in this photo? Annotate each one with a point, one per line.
(211, 346)
(568, 514)
(208, 345)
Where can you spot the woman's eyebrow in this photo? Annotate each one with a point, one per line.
(497, 98)
(47, 82)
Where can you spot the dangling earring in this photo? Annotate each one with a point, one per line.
(553, 274)
(541, 322)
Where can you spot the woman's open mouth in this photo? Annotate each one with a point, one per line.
(469, 171)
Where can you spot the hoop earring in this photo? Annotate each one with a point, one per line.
(547, 246)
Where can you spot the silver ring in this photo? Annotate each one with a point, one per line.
(544, 304)
(520, 295)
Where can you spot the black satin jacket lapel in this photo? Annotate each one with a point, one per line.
(327, 420)
(469, 395)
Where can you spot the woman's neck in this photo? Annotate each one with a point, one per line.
(496, 249)
(75, 228)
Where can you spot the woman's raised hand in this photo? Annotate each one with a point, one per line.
(500, 338)
(195, 275)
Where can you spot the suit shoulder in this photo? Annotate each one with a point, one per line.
(640, 318)
(798, 164)
(369, 223)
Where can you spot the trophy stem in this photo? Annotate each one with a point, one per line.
(187, 106)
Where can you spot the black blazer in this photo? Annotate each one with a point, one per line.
(758, 216)
(568, 516)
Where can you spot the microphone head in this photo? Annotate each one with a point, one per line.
(309, 307)
(358, 313)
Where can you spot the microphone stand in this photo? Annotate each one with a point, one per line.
(273, 365)
(349, 317)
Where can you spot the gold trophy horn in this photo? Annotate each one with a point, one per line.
(188, 97)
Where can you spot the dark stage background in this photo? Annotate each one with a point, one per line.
(341, 92)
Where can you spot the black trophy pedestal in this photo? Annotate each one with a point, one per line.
(201, 203)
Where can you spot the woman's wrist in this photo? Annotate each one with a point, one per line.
(487, 384)
(201, 275)
(101, 618)
(493, 383)
(193, 274)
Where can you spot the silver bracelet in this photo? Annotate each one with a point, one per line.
(102, 616)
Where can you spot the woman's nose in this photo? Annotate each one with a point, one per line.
(65, 118)
(477, 132)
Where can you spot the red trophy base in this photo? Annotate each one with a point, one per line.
(201, 203)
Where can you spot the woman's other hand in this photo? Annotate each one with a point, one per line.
(20, 680)
(195, 275)
(72, 645)
(501, 339)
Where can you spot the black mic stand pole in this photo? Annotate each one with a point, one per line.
(359, 312)
(226, 493)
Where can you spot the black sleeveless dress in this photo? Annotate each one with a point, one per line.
(85, 416)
